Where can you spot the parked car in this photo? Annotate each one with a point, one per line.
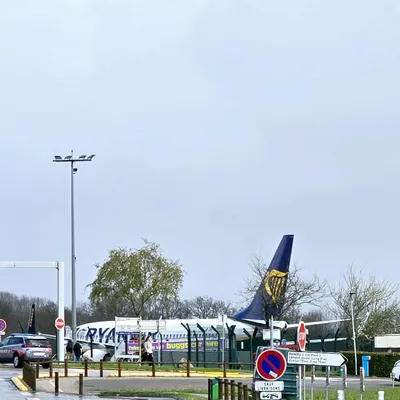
(100, 352)
(20, 347)
(396, 370)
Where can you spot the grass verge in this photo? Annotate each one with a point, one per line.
(185, 394)
(369, 394)
(193, 394)
(137, 367)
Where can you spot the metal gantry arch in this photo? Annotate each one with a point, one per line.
(59, 266)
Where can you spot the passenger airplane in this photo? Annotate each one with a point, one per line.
(267, 302)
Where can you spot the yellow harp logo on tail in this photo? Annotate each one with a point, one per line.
(275, 283)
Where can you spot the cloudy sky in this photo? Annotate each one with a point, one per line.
(218, 126)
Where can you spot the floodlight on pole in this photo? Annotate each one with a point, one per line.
(352, 298)
(70, 159)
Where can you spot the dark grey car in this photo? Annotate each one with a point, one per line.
(19, 347)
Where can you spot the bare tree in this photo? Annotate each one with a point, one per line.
(376, 307)
(299, 291)
(207, 307)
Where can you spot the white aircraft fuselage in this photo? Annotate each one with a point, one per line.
(103, 332)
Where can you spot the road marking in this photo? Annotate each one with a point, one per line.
(54, 385)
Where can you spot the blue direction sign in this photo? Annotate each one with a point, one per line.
(271, 364)
(3, 325)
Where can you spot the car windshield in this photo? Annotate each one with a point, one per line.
(37, 342)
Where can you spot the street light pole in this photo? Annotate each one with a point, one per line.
(73, 160)
(352, 296)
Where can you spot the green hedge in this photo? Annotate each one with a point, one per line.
(380, 365)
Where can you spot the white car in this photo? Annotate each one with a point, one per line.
(100, 353)
(396, 370)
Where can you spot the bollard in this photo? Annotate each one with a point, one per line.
(101, 368)
(340, 395)
(86, 368)
(51, 369)
(80, 384)
(232, 390)
(381, 395)
(240, 390)
(37, 370)
(362, 386)
(56, 383)
(245, 392)
(66, 368)
(224, 369)
(153, 369)
(188, 368)
(226, 389)
(220, 389)
(119, 369)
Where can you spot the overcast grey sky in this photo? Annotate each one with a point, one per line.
(218, 127)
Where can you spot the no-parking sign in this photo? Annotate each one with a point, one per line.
(271, 364)
(3, 325)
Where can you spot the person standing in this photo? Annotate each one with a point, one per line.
(77, 351)
(148, 350)
(69, 349)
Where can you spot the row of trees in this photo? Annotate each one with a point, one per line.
(16, 310)
(143, 282)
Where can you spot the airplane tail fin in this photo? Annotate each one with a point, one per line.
(268, 300)
(32, 321)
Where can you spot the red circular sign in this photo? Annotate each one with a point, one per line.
(60, 323)
(3, 325)
(302, 336)
(271, 364)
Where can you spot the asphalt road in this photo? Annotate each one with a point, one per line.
(8, 391)
(94, 385)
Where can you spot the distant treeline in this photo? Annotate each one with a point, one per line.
(16, 309)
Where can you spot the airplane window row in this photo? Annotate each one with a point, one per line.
(169, 336)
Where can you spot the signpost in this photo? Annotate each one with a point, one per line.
(321, 359)
(301, 342)
(59, 323)
(270, 365)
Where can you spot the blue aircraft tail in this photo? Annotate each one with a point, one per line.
(269, 298)
(32, 321)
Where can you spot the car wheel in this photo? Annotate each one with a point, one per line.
(107, 357)
(16, 361)
(46, 365)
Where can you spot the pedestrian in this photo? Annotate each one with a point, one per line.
(148, 350)
(69, 349)
(77, 351)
